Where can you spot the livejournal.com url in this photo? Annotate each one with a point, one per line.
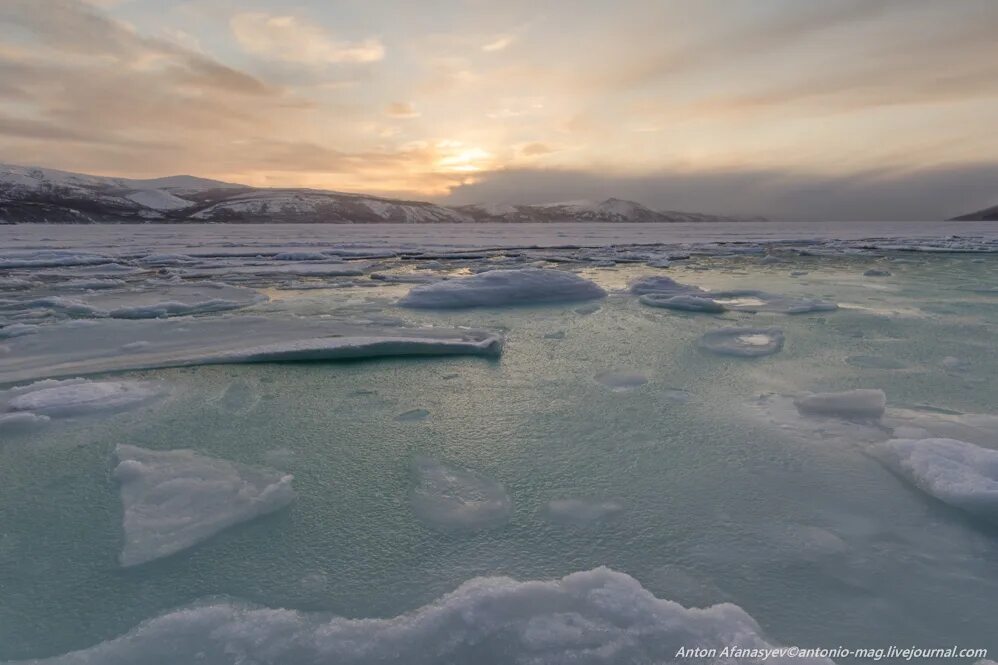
(892, 652)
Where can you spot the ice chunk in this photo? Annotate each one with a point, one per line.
(174, 499)
(752, 300)
(849, 404)
(453, 498)
(745, 342)
(349, 348)
(21, 421)
(580, 511)
(504, 287)
(596, 617)
(621, 380)
(663, 285)
(955, 472)
(117, 344)
(686, 303)
(77, 397)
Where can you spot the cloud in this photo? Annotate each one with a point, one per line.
(535, 149)
(401, 110)
(290, 39)
(499, 43)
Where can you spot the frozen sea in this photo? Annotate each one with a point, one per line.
(486, 444)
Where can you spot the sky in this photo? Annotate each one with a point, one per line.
(838, 109)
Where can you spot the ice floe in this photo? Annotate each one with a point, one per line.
(753, 300)
(686, 303)
(504, 287)
(21, 421)
(596, 617)
(660, 284)
(64, 349)
(850, 404)
(955, 472)
(661, 291)
(174, 499)
(79, 397)
(453, 498)
(744, 342)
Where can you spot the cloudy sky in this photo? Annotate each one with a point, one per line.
(843, 109)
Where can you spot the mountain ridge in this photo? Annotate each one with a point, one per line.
(41, 195)
(984, 215)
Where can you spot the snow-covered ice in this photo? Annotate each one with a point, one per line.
(449, 498)
(955, 472)
(704, 479)
(686, 303)
(79, 397)
(174, 499)
(497, 288)
(596, 617)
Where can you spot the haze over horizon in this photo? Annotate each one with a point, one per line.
(846, 109)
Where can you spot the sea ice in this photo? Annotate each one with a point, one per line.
(504, 287)
(21, 421)
(62, 349)
(174, 499)
(596, 617)
(849, 404)
(744, 342)
(752, 300)
(78, 397)
(621, 380)
(955, 472)
(686, 303)
(660, 284)
(453, 498)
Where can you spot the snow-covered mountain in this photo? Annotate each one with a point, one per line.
(30, 194)
(610, 210)
(986, 215)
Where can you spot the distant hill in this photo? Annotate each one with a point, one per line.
(986, 215)
(36, 195)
